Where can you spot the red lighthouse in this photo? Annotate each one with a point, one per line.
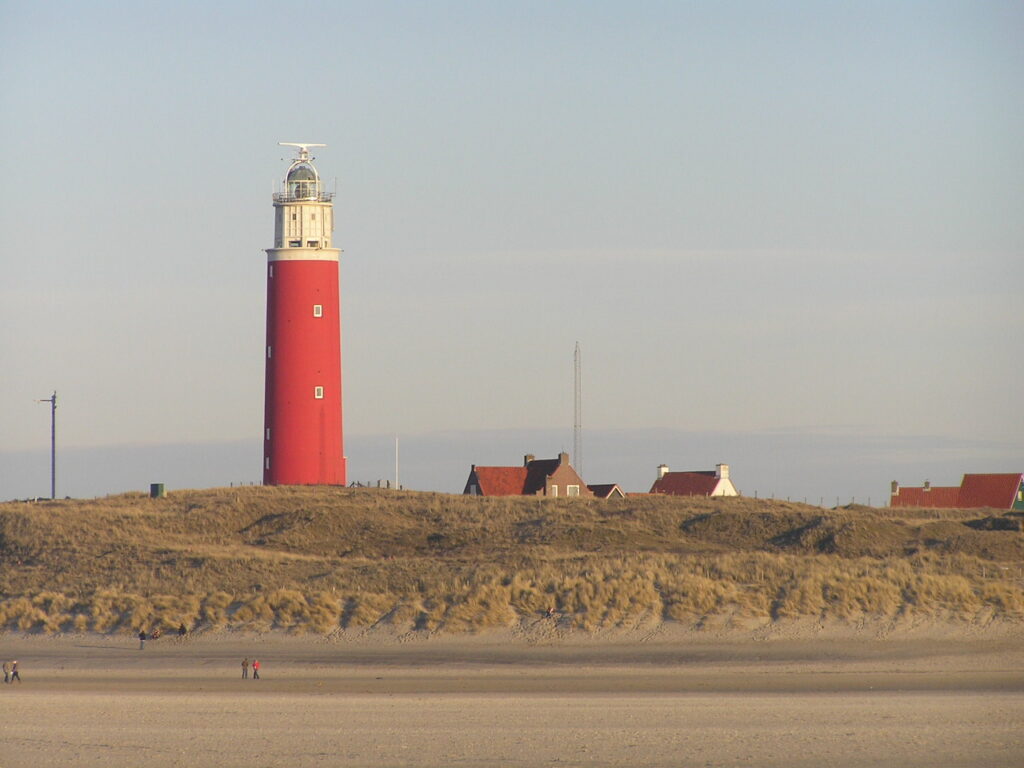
(302, 440)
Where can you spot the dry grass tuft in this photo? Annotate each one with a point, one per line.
(315, 560)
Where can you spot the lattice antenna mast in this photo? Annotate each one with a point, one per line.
(577, 421)
(52, 400)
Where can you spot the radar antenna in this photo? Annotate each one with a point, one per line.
(303, 148)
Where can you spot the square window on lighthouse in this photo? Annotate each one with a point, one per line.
(318, 310)
(318, 393)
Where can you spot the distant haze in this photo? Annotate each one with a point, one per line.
(800, 467)
(787, 236)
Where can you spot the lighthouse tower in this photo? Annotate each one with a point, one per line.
(302, 440)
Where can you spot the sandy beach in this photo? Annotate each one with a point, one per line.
(939, 699)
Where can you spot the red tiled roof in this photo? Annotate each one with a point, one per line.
(998, 491)
(501, 481)
(528, 480)
(946, 497)
(686, 483)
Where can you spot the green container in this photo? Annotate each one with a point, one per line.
(156, 491)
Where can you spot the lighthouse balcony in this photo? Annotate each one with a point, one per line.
(319, 197)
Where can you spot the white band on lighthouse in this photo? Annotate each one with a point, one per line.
(303, 254)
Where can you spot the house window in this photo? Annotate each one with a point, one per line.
(572, 490)
(318, 393)
(318, 310)
(554, 490)
(294, 243)
(473, 491)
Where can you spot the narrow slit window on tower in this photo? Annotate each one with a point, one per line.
(266, 463)
(318, 393)
(318, 310)
(271, 270)
(294, 217)
(268, 433)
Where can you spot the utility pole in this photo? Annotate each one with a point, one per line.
(52, 400)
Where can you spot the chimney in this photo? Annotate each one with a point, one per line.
(527, 459)
(895, 488)
(722, 471)
(563, 458)
(927, 485)
(662, 470)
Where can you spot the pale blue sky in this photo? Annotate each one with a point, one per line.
(755, 217)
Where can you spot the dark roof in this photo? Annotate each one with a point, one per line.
(537, 473)
(301, 173)
(604, 490)
(686, 483)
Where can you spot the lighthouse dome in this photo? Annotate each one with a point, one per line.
(303, 182)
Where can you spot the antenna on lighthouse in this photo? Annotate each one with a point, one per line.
(303, 148)
(577, 425)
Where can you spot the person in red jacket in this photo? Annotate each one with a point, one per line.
(255, 669)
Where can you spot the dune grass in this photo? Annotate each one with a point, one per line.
(318, 560)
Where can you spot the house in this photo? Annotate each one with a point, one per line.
(709, 483)
(999, 491)
(537, 477)
(607, 491)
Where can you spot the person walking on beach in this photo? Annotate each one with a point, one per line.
(14, 671)
(255, 669)
(7, 671)
(142, 639)
(245, 668)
